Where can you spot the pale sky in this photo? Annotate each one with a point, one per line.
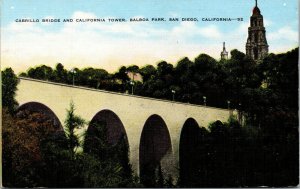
(110, 45)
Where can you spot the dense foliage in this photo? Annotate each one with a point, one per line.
(229, 155)
(219, 81)
(111, 161)
(22, 158)
(9, 87)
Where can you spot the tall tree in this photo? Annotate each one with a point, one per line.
(108, 164)
(9, 87)
(72, 123)
(60, 74)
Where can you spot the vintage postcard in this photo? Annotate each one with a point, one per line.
(133, 94)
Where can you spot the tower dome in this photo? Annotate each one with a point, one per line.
(256, 11)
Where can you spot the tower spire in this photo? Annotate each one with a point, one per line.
(224, 53)
(256, 3)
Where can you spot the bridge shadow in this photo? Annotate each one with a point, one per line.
(106, 140)
(45, 138)
(192, 142)
(114, 126)
(155, 150)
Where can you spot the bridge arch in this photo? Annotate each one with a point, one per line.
(114, 125)
(155, 149)
(106, 139)
(41, 108)
(190, 141)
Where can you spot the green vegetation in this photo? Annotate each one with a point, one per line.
(9, 87)
(229, 155)
(111, 161)
(72, 123)
(23, 133)
(219, 81)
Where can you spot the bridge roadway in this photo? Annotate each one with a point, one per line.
(152, 126)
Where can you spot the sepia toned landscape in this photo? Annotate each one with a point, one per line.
(173, 105)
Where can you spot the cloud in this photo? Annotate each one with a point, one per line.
(282, 40)
(109, 45)
(211, 32)
(268, 22)
(174, 14)
(25, 45)
(81, 14)
(190, 29)
(284, 33)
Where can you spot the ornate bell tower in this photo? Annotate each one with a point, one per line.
(224, 53)
(257, 46)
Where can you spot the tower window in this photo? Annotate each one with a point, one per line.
(255, 53)
(256, 37)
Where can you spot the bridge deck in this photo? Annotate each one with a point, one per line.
(122, 94)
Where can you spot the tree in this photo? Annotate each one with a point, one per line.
(183, 75)
(111, 160)
(72, 123)
(9, 87)
(60, 74)
(122, 75)
(64, 165)
(133, 69)
(7, 148)
(163, 68)
(41, 72)
(60, 167)
(22, 135)
(147, 72)
(228, 155)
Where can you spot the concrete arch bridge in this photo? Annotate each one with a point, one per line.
(153, 127)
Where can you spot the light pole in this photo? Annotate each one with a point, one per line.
(240, 114)
(204, 100)
(132, 84)
(45, 74)
(228, 103)
(73, 71)
(173, 94)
